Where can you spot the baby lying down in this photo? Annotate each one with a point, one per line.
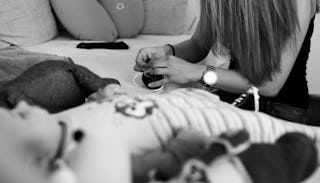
(187, 135)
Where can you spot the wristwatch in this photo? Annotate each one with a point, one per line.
(209, 77)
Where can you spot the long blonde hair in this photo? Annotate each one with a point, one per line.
(253, 31)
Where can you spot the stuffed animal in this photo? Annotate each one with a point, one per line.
(230, 158)
(53, 85)
(104, 20)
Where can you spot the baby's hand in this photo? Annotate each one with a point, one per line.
(109, 92)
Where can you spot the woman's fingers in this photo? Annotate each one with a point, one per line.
(160, 62)
(159, 71)
(142, 60)
(148, 58)
(158, 83)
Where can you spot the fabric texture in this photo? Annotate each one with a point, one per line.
(169, 17)
(153, 119)
(291, 159)
(52, 85)
(85, 20)
(167, 162)
(26, 22)
(127, 15)
(15, 60)
(275, 109)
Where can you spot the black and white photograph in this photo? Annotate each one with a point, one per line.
(159, 91)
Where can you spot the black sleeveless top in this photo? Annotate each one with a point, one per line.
(295, 90)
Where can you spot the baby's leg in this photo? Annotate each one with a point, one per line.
(109, 92)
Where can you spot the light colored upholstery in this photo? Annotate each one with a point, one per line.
(26, 22)
(85, 19)
(170, 17)
(127, 15)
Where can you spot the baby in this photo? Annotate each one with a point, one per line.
(37, 147)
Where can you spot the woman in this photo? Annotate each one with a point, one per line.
(267, 42)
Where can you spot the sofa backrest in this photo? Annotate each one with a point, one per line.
(26, 22)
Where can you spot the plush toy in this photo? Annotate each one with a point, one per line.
(53, 85)
(231, 158)
(166, 162)
(104, 20)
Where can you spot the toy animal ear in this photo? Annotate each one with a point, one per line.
(85, 19)
(293, 158)
(127, 15)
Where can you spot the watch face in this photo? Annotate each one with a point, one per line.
(210, 78)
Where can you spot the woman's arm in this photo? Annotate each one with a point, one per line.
(193, 50)
(178, 71)
(233, 82)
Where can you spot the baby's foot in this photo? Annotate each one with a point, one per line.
(109, 92)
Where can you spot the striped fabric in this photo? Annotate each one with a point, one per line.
(198, 109)
(148, 121)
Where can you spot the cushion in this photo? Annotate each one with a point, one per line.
(170, 17)
(85, 19)
(127, 15)
(26, 22)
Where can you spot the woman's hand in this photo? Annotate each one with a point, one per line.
(175, 70)
(145, 55)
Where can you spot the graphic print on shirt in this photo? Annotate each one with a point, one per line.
(135, 107)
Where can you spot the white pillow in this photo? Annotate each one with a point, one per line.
(26, 22)
(170, 17)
